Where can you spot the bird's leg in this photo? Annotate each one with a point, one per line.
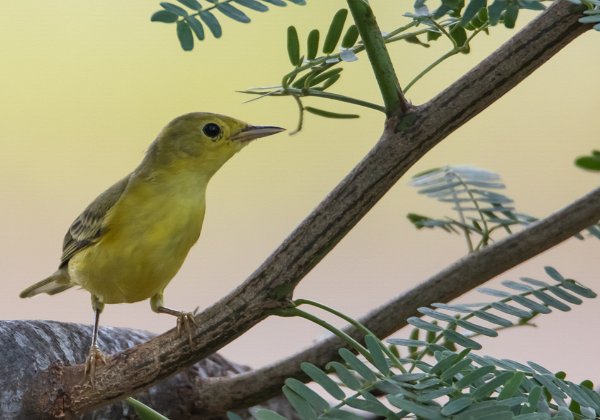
(95, 355)
(184, 319)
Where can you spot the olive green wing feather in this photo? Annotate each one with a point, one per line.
(88, 228)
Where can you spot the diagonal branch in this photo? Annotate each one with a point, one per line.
(406, 138)
(248, 388)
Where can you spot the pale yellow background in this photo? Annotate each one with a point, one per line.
(86, 86)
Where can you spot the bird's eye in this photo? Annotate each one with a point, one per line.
(212, 130)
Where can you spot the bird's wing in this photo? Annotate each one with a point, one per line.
(88, 228)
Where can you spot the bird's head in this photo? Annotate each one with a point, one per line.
(203, 141)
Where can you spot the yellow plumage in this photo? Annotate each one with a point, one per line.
(129, 243)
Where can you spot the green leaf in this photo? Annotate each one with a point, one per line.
(184, 34)
(312, 44)
(298, 2)
(550, 386)
(478, 329)
(350, 37)
(253, 4)
(335, 31)
(421, 410)
(329, 114)
(314, 399)
(455, 369)
(564, 295)
(355, 363)
(423, 325)
(196, 27)
(436, 314)
(370, 406)
(279, 3)
(293, 45)
(471, 10)
(174, 9)
(551, 301)
(433, 35)
(534, 396)
(495, 10)
(511, 387)
(379, 359)
(456, 405)
(517, 286)
(429, 396)
(473, 376)
(143, 411)
(510, 15)
(575, 287)
(300, 404)
(459, 35)
(164, 16)
(494, 319)
(494, 292)
(461, 340)
(232, 12)
(445, 360)
(233, 416)
(212, 23)
(554, 274)
(318, 78)
(530, 304)
(192, 4)
(511, 310)
(264, 414)
(407, 342)
(484, 391)
(345, 375)
(531, 5)
(535, 282)
(323, 379)
(329, 82)
(591, 163)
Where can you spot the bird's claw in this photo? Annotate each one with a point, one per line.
(93, 358)
(186, 320)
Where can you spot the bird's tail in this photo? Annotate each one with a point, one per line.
(56, 283)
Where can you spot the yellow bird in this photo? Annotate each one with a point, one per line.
(132, 239)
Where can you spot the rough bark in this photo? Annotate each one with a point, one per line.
(406, 138)
(30, 348)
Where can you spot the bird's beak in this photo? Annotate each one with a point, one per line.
(252, 132)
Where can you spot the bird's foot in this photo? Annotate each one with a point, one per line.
(185, 320)
(95, 355)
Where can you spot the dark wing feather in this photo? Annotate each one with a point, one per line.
(88, 227)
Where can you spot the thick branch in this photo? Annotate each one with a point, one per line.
(29, 347)
(406, 139)
(469, 272)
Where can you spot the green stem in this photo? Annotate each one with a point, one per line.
(356, 324)
(379, 57)
(430, 67)
(336, 97)
(294, 311)
(300, 115)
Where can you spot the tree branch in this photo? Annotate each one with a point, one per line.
(370, 34)
(467, 273)
(407, 137)
(29, 347)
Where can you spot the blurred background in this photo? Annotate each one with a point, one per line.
(86, 86)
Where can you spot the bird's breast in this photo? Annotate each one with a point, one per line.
(148, 235)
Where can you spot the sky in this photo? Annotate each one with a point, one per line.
(86, 86)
